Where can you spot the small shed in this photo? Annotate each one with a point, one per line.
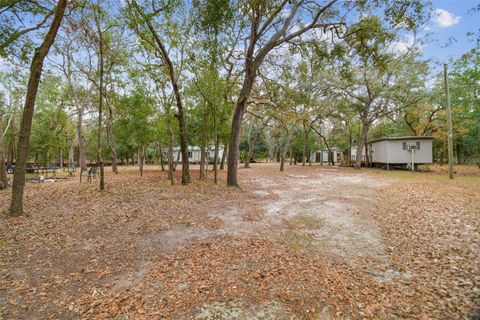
(401, 151)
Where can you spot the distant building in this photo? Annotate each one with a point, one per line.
(349, 157)
(321, 156)
(400, 151)
(194, 154)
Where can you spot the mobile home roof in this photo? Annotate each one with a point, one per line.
(402, 138)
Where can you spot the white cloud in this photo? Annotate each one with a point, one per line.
(444, 19)
(403, 45)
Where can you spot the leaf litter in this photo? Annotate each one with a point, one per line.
(83, 254)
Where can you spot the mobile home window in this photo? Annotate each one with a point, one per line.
(190, 154)
(404, 146)
(418, 145)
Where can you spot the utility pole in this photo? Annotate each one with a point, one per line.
(449, 119)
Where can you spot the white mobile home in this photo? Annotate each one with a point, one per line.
(400, 151)
(354, 152)
(321, 156)
(194, 154)
(349, 156)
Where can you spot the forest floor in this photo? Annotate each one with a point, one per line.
(314, 242)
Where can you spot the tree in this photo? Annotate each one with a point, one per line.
(51, 130)
(378, 81)
(465, 97)
(15, 28)
(272, 24)
(136, 113)
(3, 171)
(16, 206)
(313, 70)
(139, 18)
(284, 111)
(256, 125)
(79, 95)
(269, 27)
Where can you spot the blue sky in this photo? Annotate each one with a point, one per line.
(451, 19)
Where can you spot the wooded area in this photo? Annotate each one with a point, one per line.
(292, 77)
(139, 101)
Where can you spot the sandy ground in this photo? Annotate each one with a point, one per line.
(320, 205)
(310, 243)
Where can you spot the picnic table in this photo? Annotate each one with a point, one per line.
(42, 172)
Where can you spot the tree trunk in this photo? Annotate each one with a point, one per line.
(203, 170)
(246, 161)
(283, 152)
(251, 146)
(71, 158)
(183, 130)
(217, 146)
(16, 206)
(224, 157)
(11, 145)
(101, 95)
(215, 159)
(141, 160)
(361, 146)
(160, 149)
(171, 168)
(282, 161)
(60, 158)
(350, 143)
(291, 156)
(82, 159)
(3, 171)
(111, 140)
(304, 151)
(233, 151)
(202, 161)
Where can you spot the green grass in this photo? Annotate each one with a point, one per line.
(307, 221)
(297, 240)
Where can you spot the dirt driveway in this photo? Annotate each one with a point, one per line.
(310, 243)
(316, 209)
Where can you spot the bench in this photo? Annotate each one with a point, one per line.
(89, 173)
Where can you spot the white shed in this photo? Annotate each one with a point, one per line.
(401, 151)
